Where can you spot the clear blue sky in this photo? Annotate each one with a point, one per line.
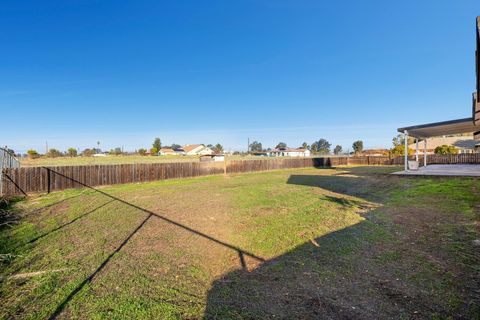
(124, 72)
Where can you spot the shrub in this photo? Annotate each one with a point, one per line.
(445, 149)
(88, 152)
(400, 151)
(153, 151)
(142, 151)
(54, 153)
(72, 152)
(33, 154)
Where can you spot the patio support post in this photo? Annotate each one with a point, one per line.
(425, 152)
(405, 136)
(416, 149)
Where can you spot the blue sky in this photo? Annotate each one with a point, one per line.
(124, 72)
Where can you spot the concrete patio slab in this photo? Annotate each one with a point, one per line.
(459, 170)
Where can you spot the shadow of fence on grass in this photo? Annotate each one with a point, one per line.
(333, 276)
(241, 253)
(68, 223)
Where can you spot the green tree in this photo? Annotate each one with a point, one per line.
(305, 146)
(54, 153)
(321, 146)
(88, 152)
(337, 150)
(72, 152)
(281, 145)
(175, 146)
(33, 154)
(153, 151)
(357, 146)
(218, 148)
(256, 146)
(142, 151)
(157, 144)
(399, 140)
(445, 149)
(117, 151)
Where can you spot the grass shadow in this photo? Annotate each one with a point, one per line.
(365, 271)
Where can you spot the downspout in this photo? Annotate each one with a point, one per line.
(416, 149)
(405, 138)
(425, 152)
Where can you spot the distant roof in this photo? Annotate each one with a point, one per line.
(190, 147)
(444, 128)
(289, 150)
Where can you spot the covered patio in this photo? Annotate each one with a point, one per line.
(452, 170)
(423, 132)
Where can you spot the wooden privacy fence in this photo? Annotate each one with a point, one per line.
(238, 166)
(465, 158)
(46, 179)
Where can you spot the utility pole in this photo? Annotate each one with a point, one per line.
(248, 145)
(46, 147)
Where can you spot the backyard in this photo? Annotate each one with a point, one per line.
(351, 242)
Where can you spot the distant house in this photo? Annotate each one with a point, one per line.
(289, 152)
(212, 157)
(166, 152)
(261, 153)
(196, 150)
(464, 144)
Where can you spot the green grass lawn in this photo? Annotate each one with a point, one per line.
(350, 242)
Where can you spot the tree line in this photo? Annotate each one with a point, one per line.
(89, 152)
(321, 147)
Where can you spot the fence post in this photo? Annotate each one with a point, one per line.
(48, 180)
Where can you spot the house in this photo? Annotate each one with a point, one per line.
(212, 157)
(464, 144)
(289, 152)
(196, 149)
(166, 152)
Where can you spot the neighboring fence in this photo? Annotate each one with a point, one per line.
(238, 166)
(7, 160)
(46, 179)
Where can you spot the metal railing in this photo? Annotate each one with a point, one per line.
(7, 160)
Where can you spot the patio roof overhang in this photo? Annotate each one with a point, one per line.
(444, 128)
(466, 125)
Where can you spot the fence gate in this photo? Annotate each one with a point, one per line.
(7, 160)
